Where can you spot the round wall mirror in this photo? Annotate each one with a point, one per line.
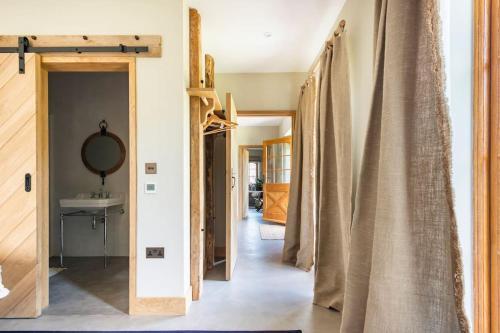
(103, 152)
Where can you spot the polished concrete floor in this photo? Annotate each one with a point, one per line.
(263, 295)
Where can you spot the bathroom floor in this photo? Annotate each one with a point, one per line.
(86, 288)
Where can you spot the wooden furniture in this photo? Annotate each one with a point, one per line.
(277, 165)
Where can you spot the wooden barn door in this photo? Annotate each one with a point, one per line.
(231, 190)
(277, 159)
(20, 206)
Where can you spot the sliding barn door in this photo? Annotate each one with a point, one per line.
(231, 190)
(20, 209)
(277, 157)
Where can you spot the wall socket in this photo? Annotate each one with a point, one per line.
(155, 252)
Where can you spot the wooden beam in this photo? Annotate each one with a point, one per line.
(209, 71)
(494, 222)
(196, 170)
(152, 42)
(481, 115)
(206, 94)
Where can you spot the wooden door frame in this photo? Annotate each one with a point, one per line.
(241, 194)
(90, 64)
(486, 170)
(268, 113)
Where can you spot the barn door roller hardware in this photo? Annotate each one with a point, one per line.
(24, 47)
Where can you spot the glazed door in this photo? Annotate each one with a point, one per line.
(231, 191)
(277, 157)
(21, 207)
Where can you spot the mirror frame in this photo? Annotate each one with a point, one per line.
(117, 166)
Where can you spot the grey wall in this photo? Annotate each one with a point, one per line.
(77, 103)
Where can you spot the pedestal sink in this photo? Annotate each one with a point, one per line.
(90, 200)
(97, 206)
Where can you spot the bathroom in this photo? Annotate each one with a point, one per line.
(89, 192)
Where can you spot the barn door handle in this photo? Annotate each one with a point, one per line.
(233, 182)
(27, 182)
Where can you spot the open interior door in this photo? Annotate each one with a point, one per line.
(231, 190)
(21, 208)
(277, 159)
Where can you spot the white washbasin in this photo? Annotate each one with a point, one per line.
(85, 200)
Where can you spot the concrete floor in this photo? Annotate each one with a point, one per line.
(263, 295)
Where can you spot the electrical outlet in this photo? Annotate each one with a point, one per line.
(155, 252)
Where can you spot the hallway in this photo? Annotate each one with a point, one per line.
(264, 294)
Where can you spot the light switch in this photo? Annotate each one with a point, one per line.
(151, 169)
(150, 188)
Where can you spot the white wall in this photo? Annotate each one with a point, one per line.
(457, 18)
(359, 15)
(162, 117)
(457, 42)
(286, 127)
(77, 103)
(261, 91)
(254, 135)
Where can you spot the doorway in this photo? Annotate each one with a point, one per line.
(120, 122)
(266, 134)
(89, 192)
(251, 198)
(90, 99)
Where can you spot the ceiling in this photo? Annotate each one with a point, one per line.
(236, 33)
(260, 121)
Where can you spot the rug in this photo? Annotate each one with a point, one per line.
(55, 270)
(272, 232)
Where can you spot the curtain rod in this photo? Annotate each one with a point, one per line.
(337, 32)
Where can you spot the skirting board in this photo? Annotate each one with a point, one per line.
(168, 306)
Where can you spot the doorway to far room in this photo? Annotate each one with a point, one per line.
(89, 193)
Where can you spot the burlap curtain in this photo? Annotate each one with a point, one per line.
(334, 181)
(299, 233)
(404, 271)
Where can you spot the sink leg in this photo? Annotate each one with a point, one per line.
(61, 240)
(105, 237)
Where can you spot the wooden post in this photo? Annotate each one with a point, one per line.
(197, 183)
(209, 71)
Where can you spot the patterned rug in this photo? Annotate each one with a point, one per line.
(272, 232)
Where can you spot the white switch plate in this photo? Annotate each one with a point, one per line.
(150, 188)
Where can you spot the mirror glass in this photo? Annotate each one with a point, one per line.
(103, 153)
